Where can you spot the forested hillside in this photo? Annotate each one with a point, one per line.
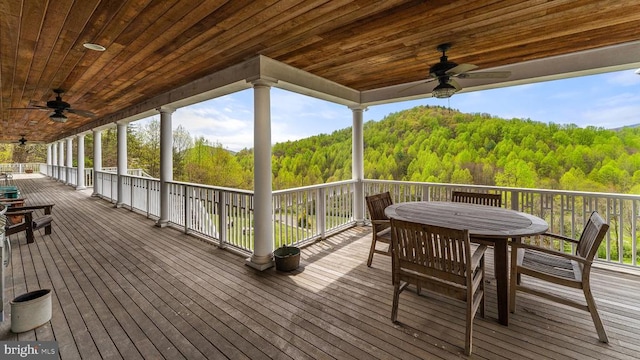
(437, 144)
(432, 144)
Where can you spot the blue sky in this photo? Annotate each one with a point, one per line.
(607, 100)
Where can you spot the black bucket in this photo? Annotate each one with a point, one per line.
(287, 258)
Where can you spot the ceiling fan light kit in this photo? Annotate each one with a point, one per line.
(443, 91)
(58, 116)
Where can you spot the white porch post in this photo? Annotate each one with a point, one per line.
(97, 159)
(122, 161)
(80, 177)
(54, 160)
(61, 170)
(357, 164)
(67, 179)
(166, 163)
(49, 168)
(262, 257)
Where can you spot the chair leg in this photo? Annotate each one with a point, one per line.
(482, 287)
(396, 298)
(372, 250)
(591, 305)
(469, 330)
(29, 235)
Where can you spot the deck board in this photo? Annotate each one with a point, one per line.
(126, 289)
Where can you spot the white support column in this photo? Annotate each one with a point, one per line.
(61, 172)
(54, 160)
(80, 177)
(262, 257)
(166, 163)
(49, 163)
(357, 164)
(122, 161)
(69, 161)
(97, 160)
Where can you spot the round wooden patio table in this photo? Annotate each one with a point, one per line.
(486, 223)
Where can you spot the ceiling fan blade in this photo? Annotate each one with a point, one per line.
(36, 107)
(486, 75)
(81, 112)
(415, 86)
(462, 68)
(455, 84)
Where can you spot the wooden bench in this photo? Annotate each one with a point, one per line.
(29, 223)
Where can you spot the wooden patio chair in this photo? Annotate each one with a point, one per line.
(380, 223)
(441, 260)
(568, 270)
(477, 198)
(21, 218)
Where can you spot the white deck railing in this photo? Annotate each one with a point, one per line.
(20, 168)
(306, 214)
(200, 209)
(564, 211)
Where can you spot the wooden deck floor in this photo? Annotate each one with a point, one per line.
(124, 288)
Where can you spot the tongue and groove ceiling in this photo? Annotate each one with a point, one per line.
(372, 48)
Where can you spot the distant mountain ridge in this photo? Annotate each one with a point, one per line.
(626, 126)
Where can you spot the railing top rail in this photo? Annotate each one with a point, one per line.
(12, 164)
(505, 188)
(310, 187)
(127, 175)
(212, 187)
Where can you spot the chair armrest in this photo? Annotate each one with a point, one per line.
(17, 213)
(10, 200)
(381, 222)
(46, 207)
(477, 255)
(560, 237)
(515, 246)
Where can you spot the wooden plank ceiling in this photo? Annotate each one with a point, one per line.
(153, 46)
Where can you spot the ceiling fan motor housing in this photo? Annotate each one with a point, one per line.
(441, 68)
(58, 104)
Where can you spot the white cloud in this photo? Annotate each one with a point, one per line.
(228, 120)
(212, 120)
(623, 78)
(612, 117)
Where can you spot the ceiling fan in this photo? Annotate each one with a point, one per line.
(22, 141)
(445, 71)
(59, 107)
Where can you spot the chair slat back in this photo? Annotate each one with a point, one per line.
(376, 205)
(431, 250)
(594, 232)
(477, 198)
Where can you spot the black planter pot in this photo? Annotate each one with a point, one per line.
(287, 258)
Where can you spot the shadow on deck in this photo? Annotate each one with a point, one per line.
(124, 288)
